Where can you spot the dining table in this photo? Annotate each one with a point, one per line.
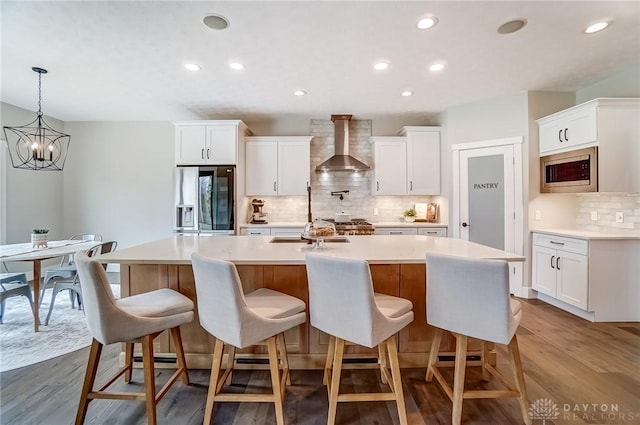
(26, 252)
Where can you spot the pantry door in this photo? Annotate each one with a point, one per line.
(488, 205)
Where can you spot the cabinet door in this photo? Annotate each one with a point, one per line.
(544, 270)
(423, 163)
(190, 145)
(221, 145)
(294, 165)
(261, 168)
(568, 130)
(390, 169)
(573, 280)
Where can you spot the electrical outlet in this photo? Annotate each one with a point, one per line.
(594, 215)
(538, 214)
(619, 217)
(375, 212)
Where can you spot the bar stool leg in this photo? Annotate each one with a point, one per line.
(275, 379)
(89, 380)
(433, 355)
(182, 363)
(382, 360)
(335, 380)
(329, 362)
(213, 380)
(149, 378)
(392, 348)
(516, 361)
(484, 358)
(128, 361)
(231, 361)
(458, 380)
(284, 358)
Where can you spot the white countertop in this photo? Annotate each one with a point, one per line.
(587, 234)
(254, 250)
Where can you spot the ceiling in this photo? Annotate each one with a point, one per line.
(114, 60)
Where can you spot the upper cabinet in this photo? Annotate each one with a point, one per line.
(407, 165)
(277, 165)
(209, 142)
(610, 124)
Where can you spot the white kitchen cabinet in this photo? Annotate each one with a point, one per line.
(610, 124)
(596, 279)
(277, 166)
(396, 231)
(423, 160)
(255, 231)
(208, 142)
(288, 232)
(433, 231)
(407, 165)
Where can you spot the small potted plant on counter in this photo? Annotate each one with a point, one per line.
(410, 215)
(40, 238)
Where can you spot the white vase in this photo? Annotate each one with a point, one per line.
(409, 219)
(39, 240)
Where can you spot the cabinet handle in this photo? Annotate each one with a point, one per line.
(411, 186)
(557, 243)
(432, 233)
(255, 233)
(566, 137)
(208, 156)
(560, 136)
(275, 187)
(202, 154)
(552, 257)
(377, 186)
(558, 263)
(395, 233)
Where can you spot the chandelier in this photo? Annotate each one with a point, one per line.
(37, 146)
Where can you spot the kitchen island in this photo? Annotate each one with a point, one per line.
(397, 267)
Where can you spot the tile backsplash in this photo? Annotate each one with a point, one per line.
(358, 202)
(606, 205)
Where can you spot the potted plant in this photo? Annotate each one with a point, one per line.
(40, 238)
(410, 215)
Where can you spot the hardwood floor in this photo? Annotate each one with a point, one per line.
(591, 371)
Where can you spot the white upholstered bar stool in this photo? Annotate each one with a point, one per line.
(470, 298)
(342, 304)
(135, 319)
(238, 321)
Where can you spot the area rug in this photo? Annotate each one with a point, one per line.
(67, 331)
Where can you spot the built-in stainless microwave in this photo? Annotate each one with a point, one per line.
(570, 172)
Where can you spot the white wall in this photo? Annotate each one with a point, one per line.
(624, 83)
(119, 180)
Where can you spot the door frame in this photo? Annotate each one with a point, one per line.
(516, 277)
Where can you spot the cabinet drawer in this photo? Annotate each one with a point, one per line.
(396, 231)
(578, 246)
(433, 231)
(261, 231)
(287, 231)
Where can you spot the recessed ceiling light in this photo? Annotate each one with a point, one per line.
(381, 65)
(236, 65)
(436, 67)
(299, 92)
(216, 22)
(598, 26)
(407, 93)
(427, 22)
(192, 67)
(512, 26)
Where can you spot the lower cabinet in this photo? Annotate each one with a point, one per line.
(433, 231)
(255, 231)
(598, 280)
(406, 230)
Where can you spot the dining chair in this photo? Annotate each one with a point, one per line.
(67, 267)
(238, 321)
(73, 284)
(342, 303)
(13, 285)
(470, 298)
(134, 319)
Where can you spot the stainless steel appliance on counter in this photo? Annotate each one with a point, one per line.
(204, 199)
(570, 172)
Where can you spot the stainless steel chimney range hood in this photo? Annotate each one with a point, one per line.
(341, 160)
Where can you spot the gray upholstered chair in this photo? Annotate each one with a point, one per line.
(470, 298)
(67, 268)
(342, 303)
(13, 285)
(135, 319)
(239, 321)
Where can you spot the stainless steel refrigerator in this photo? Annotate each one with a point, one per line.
(204, 199)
